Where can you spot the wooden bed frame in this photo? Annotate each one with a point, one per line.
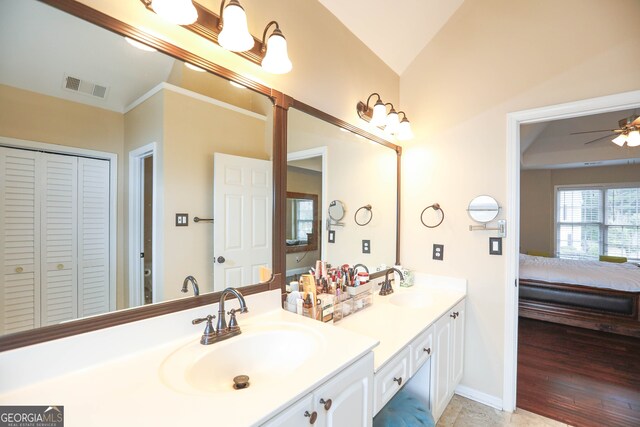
(606, 310)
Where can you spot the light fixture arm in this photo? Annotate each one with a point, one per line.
(264, 34)
(404, 116)
(369, 99)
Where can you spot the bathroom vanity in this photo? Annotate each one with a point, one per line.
(300, 370)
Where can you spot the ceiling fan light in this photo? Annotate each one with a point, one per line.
(633, 139)
(620, 139)
(276, 60)
(180, 12)
(235, 34)
(379, 113)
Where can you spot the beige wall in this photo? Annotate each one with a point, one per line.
(358, 173)
(34, 117)
(537, 195)
(494, 57)
(309, 182)
(193, 131)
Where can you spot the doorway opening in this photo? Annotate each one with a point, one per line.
(142, 225)
(624, 101)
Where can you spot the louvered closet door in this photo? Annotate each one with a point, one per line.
(93, 237)
(19, 241)
(59, 235)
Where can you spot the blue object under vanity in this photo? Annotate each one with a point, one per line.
(404, 410)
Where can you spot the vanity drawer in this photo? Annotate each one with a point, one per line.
(390, 379)
(421, 350)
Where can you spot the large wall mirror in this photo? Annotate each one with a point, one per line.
(343, 169)
(107, 155)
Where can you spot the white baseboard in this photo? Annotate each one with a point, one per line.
(478, 396)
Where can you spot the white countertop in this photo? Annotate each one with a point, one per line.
(396, 326)
(111, 377)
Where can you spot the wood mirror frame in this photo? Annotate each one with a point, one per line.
(52, 332)
(314, 236)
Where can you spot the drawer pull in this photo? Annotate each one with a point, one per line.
(327, 403)
(398, 380)
(313, 416)
(19, 269)
(427, 350)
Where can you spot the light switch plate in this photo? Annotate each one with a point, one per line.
(332, 236)
(438, 252)
(495, 246)
(182, 220)
(366, 246)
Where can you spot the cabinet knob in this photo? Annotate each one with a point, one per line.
(452, 315)
(327, 403)
(398, 380)
(456, 313)
(19, 269)
(313, 416)
(427, 350)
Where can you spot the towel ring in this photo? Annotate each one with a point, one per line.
(355, 215)
(435, 207)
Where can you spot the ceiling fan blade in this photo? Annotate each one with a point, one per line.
(598, 139)
(636, 122)
(592, 131)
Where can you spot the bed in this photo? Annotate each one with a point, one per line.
(590, 294)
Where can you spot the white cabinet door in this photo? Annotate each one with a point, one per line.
(19, 241)
(346, 400)
(457, 355)
(299, 414)
(441, 385)
(59, 238)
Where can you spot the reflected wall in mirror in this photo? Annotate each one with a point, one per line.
(302, 226)
(336, 164)
(102, 144)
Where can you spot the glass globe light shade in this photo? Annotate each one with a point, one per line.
(180, 12)
(235, 34)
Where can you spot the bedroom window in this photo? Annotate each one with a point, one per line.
(303, 219)
(602, 220)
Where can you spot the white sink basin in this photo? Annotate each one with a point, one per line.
(266, 353)
(411, 299)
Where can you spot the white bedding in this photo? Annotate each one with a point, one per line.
(621, 277)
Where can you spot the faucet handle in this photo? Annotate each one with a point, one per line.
(233, 323)
(209, 332)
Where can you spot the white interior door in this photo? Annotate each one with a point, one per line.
(242, 200)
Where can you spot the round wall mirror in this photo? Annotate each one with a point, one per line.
(483, 209)
(336, 210)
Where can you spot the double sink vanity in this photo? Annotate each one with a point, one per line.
(300, 370)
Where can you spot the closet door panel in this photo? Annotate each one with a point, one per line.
(19, 241)
(93, 237)
(59, 238)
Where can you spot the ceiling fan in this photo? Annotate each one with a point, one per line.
(628, 131)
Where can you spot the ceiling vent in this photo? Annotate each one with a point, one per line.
(75, 84)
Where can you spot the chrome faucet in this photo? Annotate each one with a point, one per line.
(194, 283)
(222, 331)
(386, 285)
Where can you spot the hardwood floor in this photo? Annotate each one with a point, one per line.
(578, 376)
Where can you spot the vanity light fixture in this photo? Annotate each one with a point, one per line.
(234, 33)
(276, 58)
(390, 122)
(139, 45)
(194, 67)
(180, 12)
(229, 30)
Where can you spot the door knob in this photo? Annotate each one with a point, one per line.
(60, 266)
(19, 269)
(220, 260)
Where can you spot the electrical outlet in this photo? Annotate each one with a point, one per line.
(366, 246)
(438, 252)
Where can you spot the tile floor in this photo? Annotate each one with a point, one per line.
(463, 412)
